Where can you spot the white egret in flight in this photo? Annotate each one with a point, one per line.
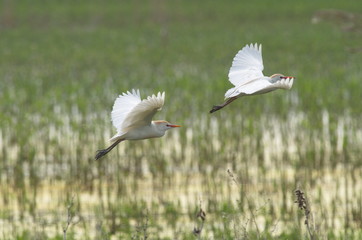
(133, 119)
(246, 74)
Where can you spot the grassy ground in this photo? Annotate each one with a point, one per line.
(63, 64)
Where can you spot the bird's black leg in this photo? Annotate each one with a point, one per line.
(102, 152)
(218, 107)
(215, 108)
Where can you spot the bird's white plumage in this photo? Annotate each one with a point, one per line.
(142, 113)
(247, 65)
(133, 119)
(123, 106)
(246, 73)
(259, 86)
(129, 111)
(264, 85)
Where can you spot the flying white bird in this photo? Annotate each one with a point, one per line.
(133, 119)
(246, 74)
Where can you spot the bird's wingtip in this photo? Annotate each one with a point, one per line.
(291, 81)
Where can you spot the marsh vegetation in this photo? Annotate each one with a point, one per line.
(62, 66)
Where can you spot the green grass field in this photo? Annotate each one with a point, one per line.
(63, 63)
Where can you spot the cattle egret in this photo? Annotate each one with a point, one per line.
(133, 119)
(246, 74)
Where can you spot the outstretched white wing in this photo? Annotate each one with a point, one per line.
(129, 111)
(123, 106)
(142, 114)
(247, 65)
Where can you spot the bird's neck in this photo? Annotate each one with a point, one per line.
(156, 129)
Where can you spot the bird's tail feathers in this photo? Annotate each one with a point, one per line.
(232, 92)
(116, 137)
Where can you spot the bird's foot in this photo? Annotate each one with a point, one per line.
(215, 108)
(101, 153)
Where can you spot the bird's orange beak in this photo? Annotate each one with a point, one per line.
(286, 77)
(173, 125)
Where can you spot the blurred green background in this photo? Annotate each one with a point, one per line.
(63, 63)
